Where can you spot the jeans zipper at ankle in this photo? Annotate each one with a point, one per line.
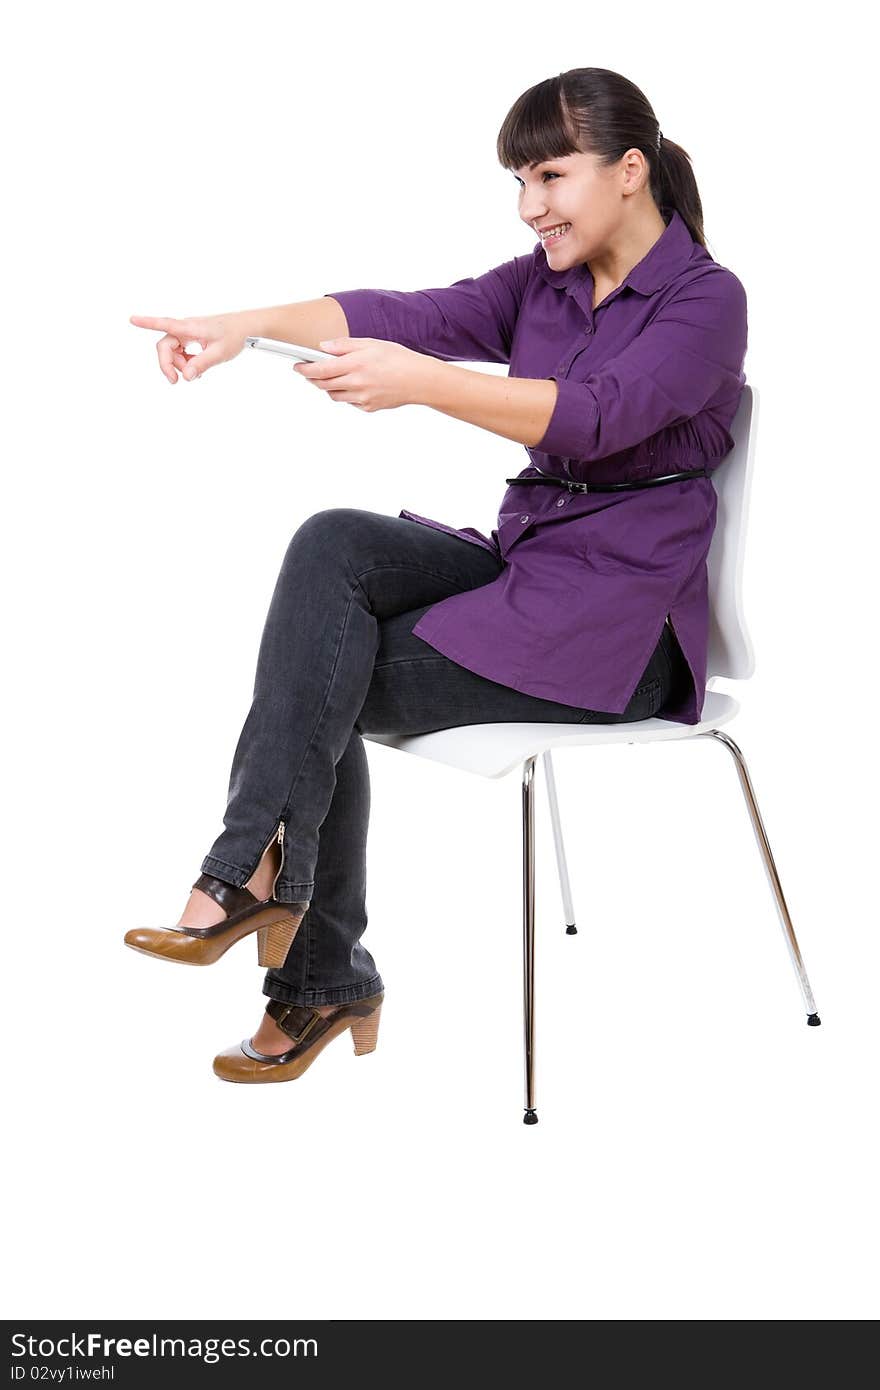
(279, 838)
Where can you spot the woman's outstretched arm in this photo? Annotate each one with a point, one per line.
(305, 323)
(517, 408)
(221, 336)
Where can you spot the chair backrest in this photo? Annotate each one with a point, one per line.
(730, 648)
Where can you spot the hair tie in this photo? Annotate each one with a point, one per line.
(659, 139)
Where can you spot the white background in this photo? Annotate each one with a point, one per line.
(701, 1153)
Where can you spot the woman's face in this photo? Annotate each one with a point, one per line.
(574, 190)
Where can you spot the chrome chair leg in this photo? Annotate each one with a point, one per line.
(528, 814)
(567, 906)
(767, 856)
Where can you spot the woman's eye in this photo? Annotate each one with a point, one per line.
(548, 173)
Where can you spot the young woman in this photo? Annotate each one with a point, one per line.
(625, 341)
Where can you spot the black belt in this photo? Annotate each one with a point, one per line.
(613, 487)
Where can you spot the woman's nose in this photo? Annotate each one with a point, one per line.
(531, 212)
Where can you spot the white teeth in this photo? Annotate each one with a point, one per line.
(555, 232)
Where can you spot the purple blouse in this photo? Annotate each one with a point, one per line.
(648, 383)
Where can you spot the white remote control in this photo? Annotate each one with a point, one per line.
(300, 354)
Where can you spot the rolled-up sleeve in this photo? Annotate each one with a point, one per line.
(689, 355)
(471, 320)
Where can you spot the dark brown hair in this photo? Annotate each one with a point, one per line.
(596, 111)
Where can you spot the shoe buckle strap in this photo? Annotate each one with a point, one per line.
(289, 1017)
(226, 895)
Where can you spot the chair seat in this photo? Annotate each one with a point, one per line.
(493, 750)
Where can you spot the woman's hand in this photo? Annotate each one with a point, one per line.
(221, 337)
(370, 373)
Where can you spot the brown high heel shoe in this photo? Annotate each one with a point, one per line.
(310, 1032)
(276, 925)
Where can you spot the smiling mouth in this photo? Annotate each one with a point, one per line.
(552, 234)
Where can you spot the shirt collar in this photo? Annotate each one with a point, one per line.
(669, 254)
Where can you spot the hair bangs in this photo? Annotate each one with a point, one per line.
(537, 127)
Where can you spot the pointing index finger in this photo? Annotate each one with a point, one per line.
(163, 325)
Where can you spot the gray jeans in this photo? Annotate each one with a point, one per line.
(338, 660)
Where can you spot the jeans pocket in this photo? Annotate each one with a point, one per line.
(649, 697)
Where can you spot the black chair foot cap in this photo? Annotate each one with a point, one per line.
(530, 1118)
(572, 930)
(813, 1020)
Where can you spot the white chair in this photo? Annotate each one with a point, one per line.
(493, 750)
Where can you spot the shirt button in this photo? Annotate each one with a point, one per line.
(524, 518)
(561, 502)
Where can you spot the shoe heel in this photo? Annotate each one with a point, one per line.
(273, 943)
(365, 1032)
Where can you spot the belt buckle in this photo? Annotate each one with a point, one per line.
(307, 1028)
(576, 487)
